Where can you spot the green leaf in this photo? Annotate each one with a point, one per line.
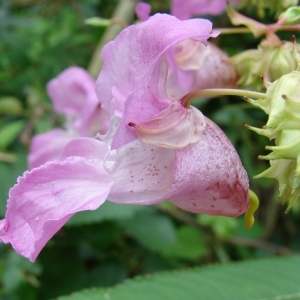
(154, 231)
(20, 277)
(222, 226)
(8, 174)
(190, 244)
(10, 132)
(10, 106)
(268, 279)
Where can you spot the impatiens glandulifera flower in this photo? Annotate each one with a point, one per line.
(73, 94)
(151, 112)
(185, 9)
(282, 104)
(157, 148)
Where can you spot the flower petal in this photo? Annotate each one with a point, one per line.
(45, 198)
(98, 122)
(141, 172)
(195, 66)
(73, 93)
(88, 148)
(209, 177)
(143, 11)
(176, 127)
(184, 9)
(142, 45)
(48, 146)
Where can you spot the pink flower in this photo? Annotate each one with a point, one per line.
(156, 149)
(184, 9)
(73, 95)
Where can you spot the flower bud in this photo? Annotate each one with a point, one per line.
(291, 16)
(272, 59)
(274, 6)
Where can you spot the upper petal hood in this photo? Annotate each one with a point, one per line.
(142, 46)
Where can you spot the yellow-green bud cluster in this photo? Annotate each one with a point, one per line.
(274, 6)
(270, 60)
(282, 104)
(291, 16)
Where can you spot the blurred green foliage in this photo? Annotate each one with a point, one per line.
(102, 248)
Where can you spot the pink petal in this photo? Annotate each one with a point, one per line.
(197, 67)
(73, 93)
(45, 198)
(143, 11)
(98, 122)
(209, 177)
(88, 148)
(184, 9)
(141, 172)
(142, 45)
(176, 127)
(48, 146)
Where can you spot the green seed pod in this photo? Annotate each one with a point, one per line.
(282, 104)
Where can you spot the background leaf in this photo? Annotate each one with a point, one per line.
(260, 279)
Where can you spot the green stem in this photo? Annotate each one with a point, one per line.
(125, 12)
(233, 30)
(188, 98)
(274, 27)
(7, 157)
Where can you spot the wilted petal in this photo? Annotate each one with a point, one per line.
(141, 172)
(44, 199)
(176, 127)
(48, 146)
(209, 177)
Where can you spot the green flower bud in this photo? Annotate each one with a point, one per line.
(282, 104)
(291, 16)
(274, 6)
(272, 59)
